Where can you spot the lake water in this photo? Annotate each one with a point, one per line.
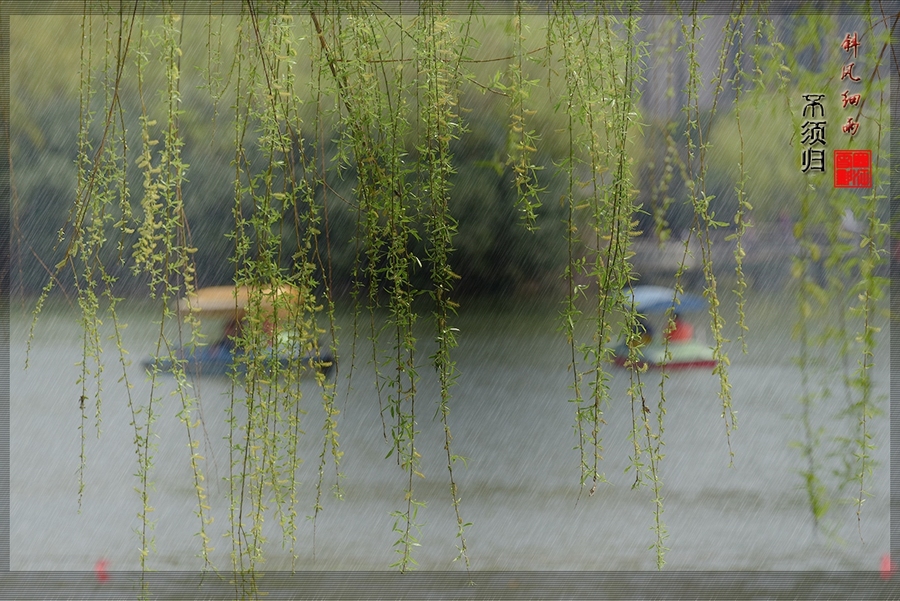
(510, 418)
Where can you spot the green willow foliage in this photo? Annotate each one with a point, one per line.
(836, 268)
(388, 88)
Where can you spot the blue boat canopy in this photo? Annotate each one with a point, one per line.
(659, 299)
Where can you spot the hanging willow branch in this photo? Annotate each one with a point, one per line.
(388, 89)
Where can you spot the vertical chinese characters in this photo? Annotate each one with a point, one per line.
(850, 45)
(852, 168)
(813, 132)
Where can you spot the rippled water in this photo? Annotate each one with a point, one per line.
(510, 419)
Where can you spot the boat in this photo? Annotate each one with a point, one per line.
(231, 305)
(215, 361)
(679, 352)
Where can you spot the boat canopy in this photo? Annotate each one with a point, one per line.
(659, 299)
(234, 301)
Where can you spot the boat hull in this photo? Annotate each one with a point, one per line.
(682, 355)
(211, 361)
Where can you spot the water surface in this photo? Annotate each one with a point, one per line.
(510, 418)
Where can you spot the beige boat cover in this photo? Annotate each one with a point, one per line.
(232, 301)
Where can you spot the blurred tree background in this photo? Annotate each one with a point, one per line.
(493, 253)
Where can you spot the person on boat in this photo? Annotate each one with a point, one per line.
(681, 330)
(643, 333)
(228, 341)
